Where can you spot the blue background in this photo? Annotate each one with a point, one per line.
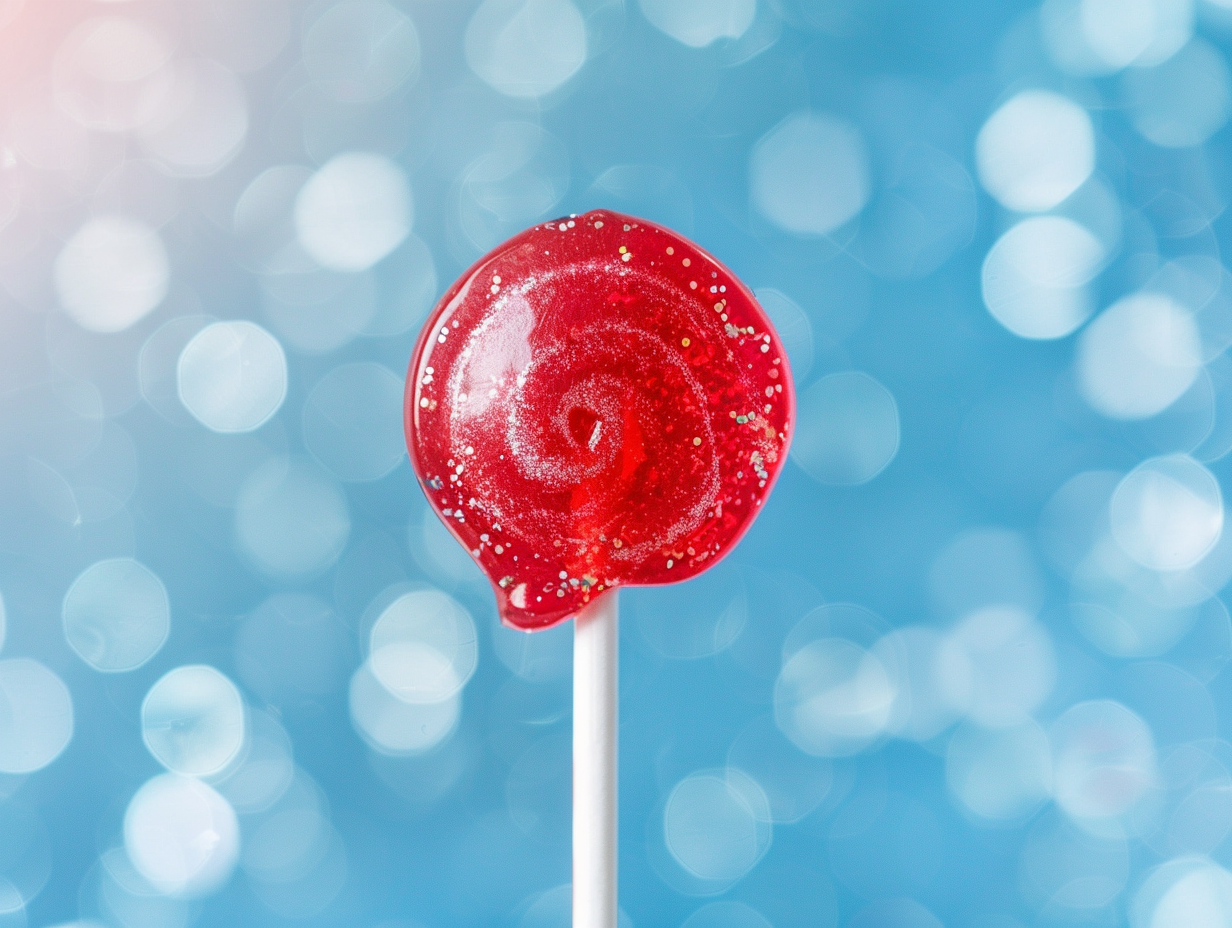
(921, 495)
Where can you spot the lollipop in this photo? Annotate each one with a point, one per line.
(597, 403)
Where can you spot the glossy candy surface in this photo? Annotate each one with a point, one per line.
(596, 403)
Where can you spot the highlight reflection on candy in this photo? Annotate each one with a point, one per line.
(596, 403)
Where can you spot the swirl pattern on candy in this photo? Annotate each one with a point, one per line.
(596, 403)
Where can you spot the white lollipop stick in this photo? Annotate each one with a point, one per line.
(595, 722)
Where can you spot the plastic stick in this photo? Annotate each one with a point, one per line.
(595, 723)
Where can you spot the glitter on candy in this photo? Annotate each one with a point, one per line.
(596, 403)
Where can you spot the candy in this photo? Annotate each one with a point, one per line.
(596, 403)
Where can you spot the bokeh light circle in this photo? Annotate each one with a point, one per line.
(698, 23)
(116, 615)
(353, 211)
(204, 123)
(1199, 896)
(232, 376)
(1183, 101)
(36, 716)
(263, 771)
(263, 220)
(526, 48)
(1104, 759)
(717, 824)
(810, 174)
(1034, 278)
(1167, 513)
(423, 647)
(242, 36)
(181, 835)
(795, 784)
(394, 727)
(362, 50)
(847, 429)
(920, 710)
(1000, 774)
(290, 519)
(1035, 150)
(997, 666)
(1135, 32)
(833, 698)
(192, 720)
(1138, 357)
(111, 273)
(112, 73)
(286, 842)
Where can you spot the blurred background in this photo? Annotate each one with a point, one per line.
(965, 671)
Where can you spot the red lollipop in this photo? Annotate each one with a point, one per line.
(596, 403)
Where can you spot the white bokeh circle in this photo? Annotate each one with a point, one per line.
(1138, 357)
(1167, 513)
(717, 824)
(181, 835)
(116, 615)
(698, 23)
(36, 716)
(1035, 150)
(526, 48)
(353, 211)
(192, 720)
(810, 174)
(232, 376)
(1034, 278)
(847, 429)
(423, 647)
(111, 273)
